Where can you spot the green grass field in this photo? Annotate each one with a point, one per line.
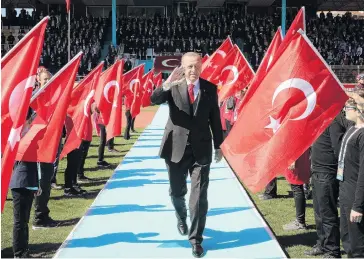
(44, 243)
(280, 211)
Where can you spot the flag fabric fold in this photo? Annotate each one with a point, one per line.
(294, 103)
(18, 69)
(40, 143)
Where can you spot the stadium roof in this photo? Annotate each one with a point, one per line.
(324, 5)
(340, 5)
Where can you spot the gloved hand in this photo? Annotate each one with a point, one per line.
(218, 155)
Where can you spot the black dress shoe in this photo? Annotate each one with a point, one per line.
(197, 251)
(182, 228)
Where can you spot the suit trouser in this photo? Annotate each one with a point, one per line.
(22, 205)
(271, 188)
(85, 145)
(129, 121)
(73, 164)
(198, 204)
(132, 124)
(352, 234)
(300, 202)
(41, 211)
(103, 142)
(55, 164)
(325, 191)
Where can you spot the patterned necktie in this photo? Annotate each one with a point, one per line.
(190, 93)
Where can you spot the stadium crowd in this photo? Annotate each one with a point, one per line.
(339, 39)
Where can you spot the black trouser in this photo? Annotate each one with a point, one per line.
(55, 164)
(41, 211)
(300, 202)
(73, 165)
(352, 234)
(129, 121)
(85, 145)
(102, 142)
(22, 205)
(325, 191)
(132, 124)
(271, 188)
(110, 143)
(198, 204)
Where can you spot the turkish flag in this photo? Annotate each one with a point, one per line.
(217, 58)
(166, 63)
(148, 88)
(132, 81)
(105, 91)
(113, 127)
(79, 126)
(157, 80)
(349, 86)
(218, 76)
(263, 67)
(204, 58)
(235, 74)
(40, 143)
(299, 22)
(18, 69)
(295, 102)
(136, 88)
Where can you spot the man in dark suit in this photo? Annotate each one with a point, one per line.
(187, 142)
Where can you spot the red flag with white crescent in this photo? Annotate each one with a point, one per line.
(148, 88)
(157, 80)
(136, 88)
(113, 127)
(132, 78)
(235, 74)
(18, 75)
(216, 59)
(105, 92)
(79, 116)
(40, 143)
(294, 103)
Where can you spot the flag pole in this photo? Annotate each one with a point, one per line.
(69, 35)
(283, 25)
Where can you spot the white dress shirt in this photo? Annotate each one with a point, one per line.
(196, 87)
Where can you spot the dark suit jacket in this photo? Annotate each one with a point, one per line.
(192, 123)
(25, 174)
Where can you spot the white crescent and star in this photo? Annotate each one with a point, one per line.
(14, 136)
(221, 53)
(307, 90)
(87, 100)
(17, 94)
(132, 82)
(165, 62)
(107, 88)
(233, 69)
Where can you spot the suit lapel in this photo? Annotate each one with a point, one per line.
(199, 97)
(184, 105)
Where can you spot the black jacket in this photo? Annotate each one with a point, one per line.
(325, 151)
(25, 174)
(188, 123)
